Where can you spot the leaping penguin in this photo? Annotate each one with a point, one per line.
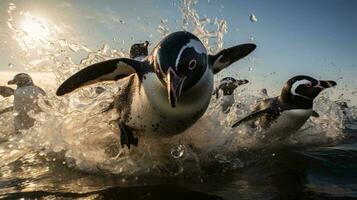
(227, 85)
(166, 92)
(283, 115)
(26, 97)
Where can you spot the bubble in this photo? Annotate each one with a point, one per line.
(178, 152)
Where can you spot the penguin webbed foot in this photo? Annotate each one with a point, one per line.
(126, 136)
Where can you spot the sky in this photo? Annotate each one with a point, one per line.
(316, 38)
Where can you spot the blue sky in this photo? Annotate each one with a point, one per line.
(316, 38)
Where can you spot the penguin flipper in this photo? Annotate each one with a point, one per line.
(126, 136)
(6, 91)
(228, 56)
(251, 116)
(8, 109)
(109, 70)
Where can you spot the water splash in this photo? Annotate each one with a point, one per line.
(81, 136)
(212, 38)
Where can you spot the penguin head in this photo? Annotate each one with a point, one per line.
(139, 49)
(305, 88)
(21, 80)
(233, 82)
(179, 61)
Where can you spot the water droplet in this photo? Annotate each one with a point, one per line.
(253, 18)
(10, 65)
(221, 158)
(178, 152)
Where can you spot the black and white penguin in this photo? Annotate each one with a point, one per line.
(26, 97)
(166, 92)
(139, 51)
(283, 115)
(227, 85)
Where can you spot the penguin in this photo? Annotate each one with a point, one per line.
(139, 51)
(227, 85)
(283, 115)
(165, 93)
(26, 97)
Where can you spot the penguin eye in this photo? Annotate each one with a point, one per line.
(192, 64)
(308, 85)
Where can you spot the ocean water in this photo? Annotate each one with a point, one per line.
(73, 152)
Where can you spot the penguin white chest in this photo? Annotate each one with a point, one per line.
(227, 101)
(152, 113)
(288, 122)
(25, 100)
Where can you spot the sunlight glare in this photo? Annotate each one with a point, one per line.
(35, 28)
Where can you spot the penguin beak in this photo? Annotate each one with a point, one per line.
(325, 84)
(174, 86)
(11, 82)
(242, 82)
